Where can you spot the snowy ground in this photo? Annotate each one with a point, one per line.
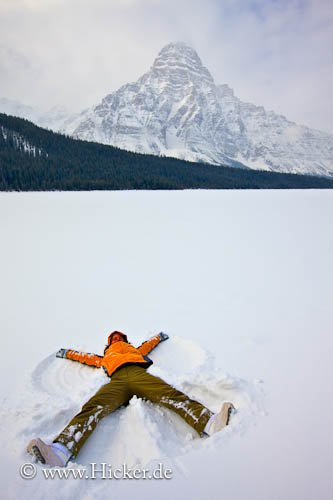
(243, 283)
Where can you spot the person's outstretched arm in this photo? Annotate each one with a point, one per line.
(149, 344)
(85, 358)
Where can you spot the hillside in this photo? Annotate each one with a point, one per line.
(36, 159)
(177, 109)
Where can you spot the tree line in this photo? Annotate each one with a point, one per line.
(36, 159)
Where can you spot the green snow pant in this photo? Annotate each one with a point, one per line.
(125, 383)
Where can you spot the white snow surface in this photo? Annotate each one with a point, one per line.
(241, 281)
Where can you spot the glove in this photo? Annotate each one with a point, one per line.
(163, 336)
(61, 353)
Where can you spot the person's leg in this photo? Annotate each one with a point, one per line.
(154, 389)
(107, 399)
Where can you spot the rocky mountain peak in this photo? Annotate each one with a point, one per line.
(225, 90)
(180, 61)
(178, 52)
(175, 109)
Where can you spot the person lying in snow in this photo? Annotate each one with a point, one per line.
(127, 365)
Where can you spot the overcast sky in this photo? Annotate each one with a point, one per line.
(275, 53)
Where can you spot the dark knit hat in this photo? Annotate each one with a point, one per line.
(119, 333)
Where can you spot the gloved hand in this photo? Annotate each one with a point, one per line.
(61, 353)
(163, 336)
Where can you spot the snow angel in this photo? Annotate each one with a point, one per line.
(127, 366)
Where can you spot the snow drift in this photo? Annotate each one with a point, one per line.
(242, 282)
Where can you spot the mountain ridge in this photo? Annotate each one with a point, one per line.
(175, 109)
(36, 159)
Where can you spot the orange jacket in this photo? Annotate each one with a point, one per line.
(117, 355)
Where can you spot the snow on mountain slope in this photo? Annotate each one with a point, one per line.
(55, 118)
(176, 109)
(16, 108)
(20, 142)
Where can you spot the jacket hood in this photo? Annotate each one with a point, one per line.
(119, 333)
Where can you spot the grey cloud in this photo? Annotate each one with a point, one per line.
(277, 54)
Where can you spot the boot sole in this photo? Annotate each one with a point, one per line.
(227, 410)
(38, 449)
(36, 452)
(224, 416)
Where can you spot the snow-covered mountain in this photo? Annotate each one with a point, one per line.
(16, 108)
(55, 118)
(176, 109)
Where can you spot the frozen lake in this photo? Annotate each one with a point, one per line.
(243, 283)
